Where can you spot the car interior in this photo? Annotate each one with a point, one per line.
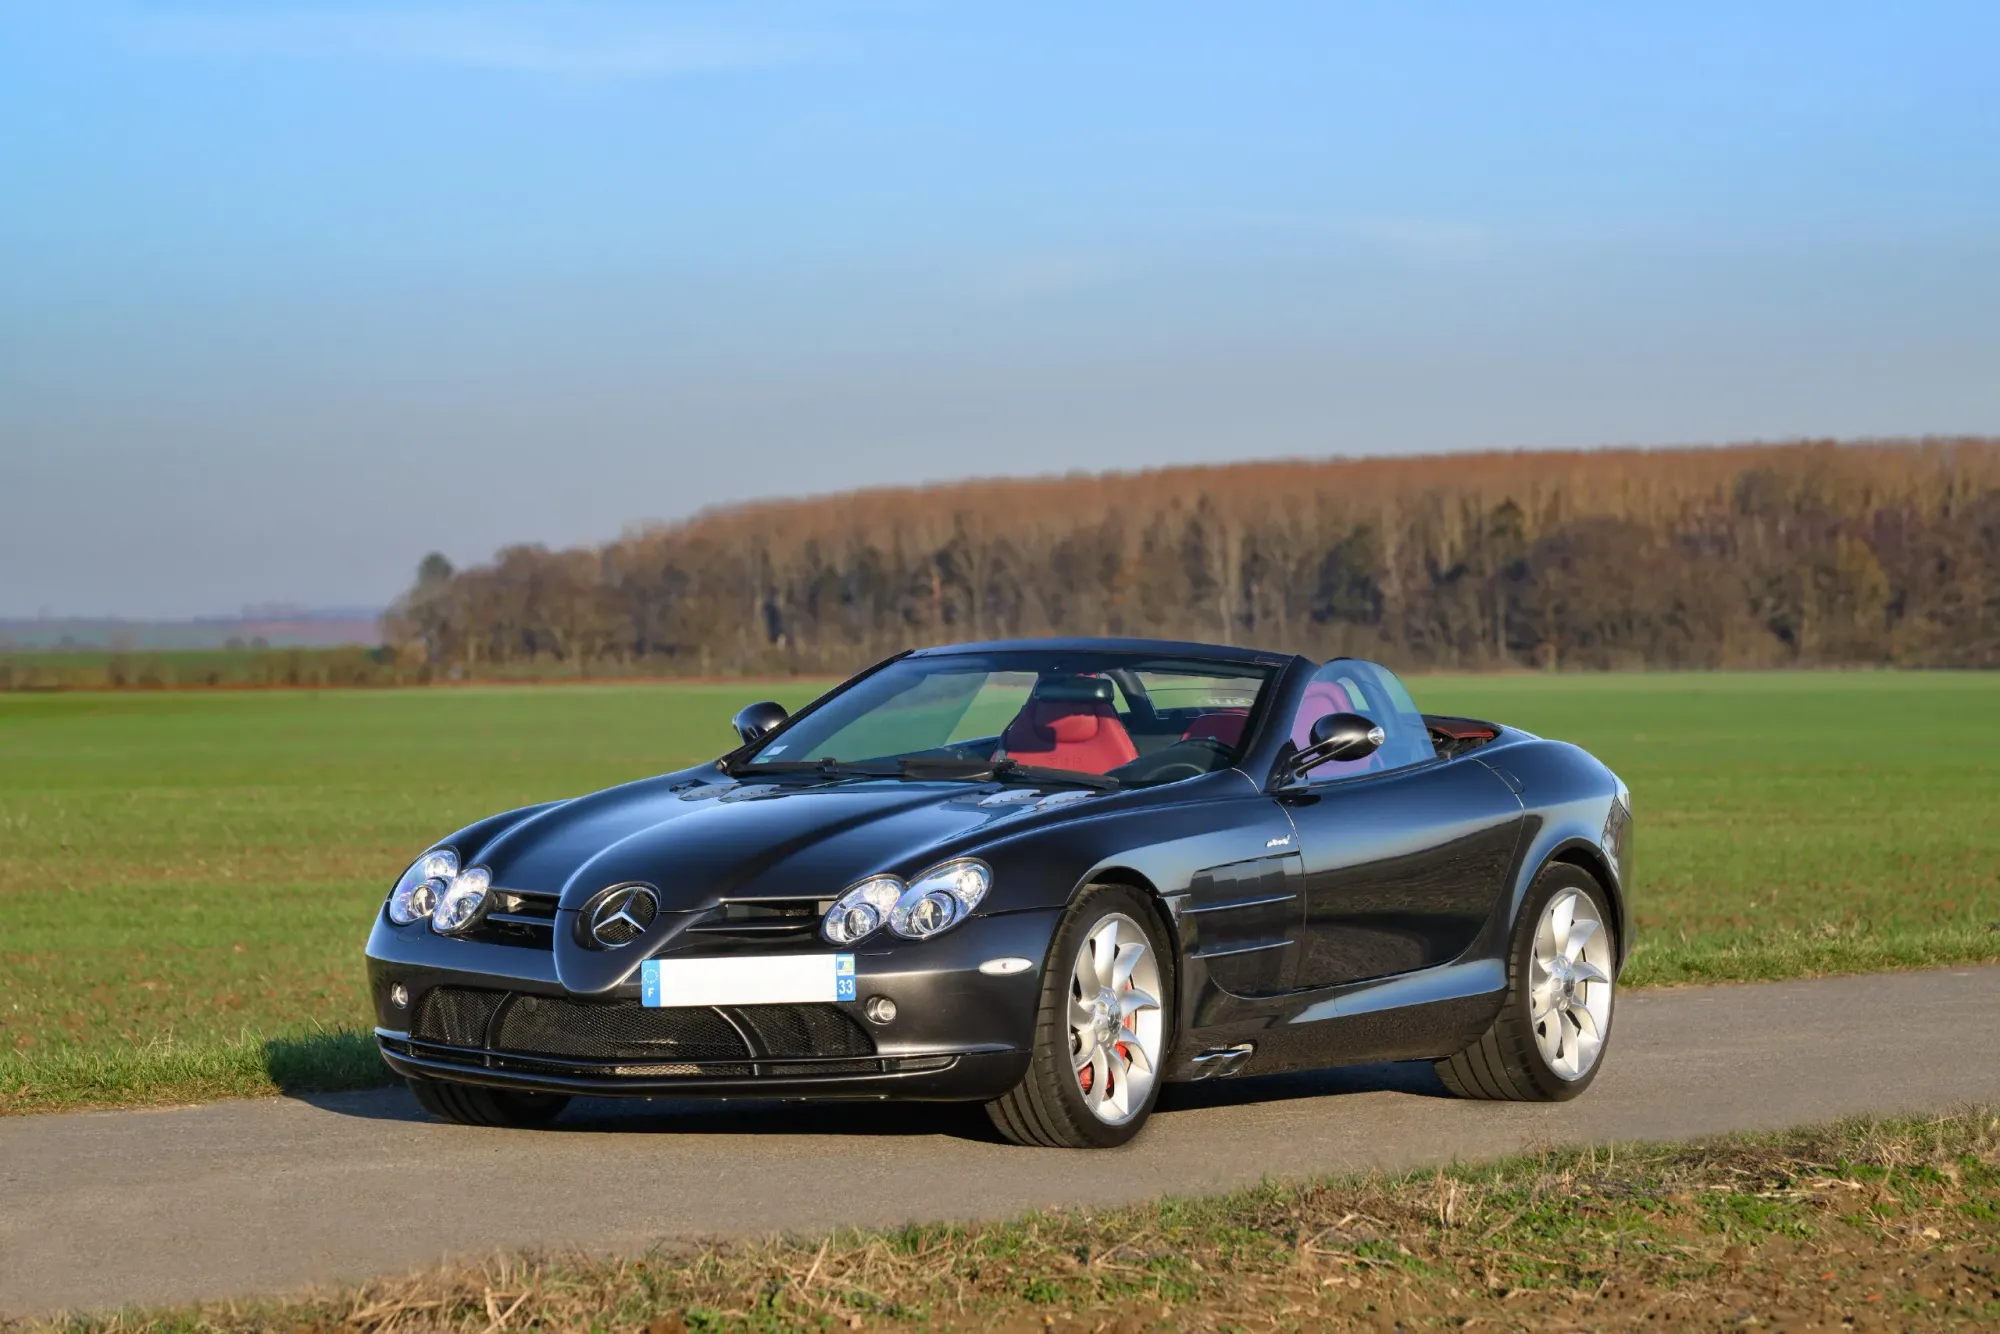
(1140, 724)
(1074, 722)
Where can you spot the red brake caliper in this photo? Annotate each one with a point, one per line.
(1085, 1075)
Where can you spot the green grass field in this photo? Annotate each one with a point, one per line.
(186, 878)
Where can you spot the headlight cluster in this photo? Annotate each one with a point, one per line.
(935, 901)
(417, 893)
(434, 887)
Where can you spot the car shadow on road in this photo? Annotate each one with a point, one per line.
(1414, 1077)
(702, 1116)
(697, 1116)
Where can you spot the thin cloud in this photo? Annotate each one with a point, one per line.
(1034, 278)
(602, 42)
(1412, 235)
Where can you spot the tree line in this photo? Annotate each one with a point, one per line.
(1814, 553)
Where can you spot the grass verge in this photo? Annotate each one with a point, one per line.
(1864, 1224)
(165, 1072)
(1827, 952)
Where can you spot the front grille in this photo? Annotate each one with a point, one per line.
(616, 1030)
(457, 1016)
(761, 920)
(517, 918)
(565, 1035)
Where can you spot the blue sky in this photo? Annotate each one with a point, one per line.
(291, 294)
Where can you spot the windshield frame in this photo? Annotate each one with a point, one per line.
(1267, 675)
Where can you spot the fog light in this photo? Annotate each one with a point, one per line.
(880, 1009)
(399, 996)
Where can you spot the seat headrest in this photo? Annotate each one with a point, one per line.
(1071, 729)
(1073, 690)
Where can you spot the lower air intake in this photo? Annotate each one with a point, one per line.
(455, 1016)
(616, 1031)
(673, 1040)
(803, 1030)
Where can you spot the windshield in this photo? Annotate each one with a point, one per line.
(1115, 718)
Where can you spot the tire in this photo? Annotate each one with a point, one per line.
(1509, 1061)
(475, 1105)
(1053, 1106)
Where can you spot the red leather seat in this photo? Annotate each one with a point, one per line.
(1069, 723)
(1225, 725)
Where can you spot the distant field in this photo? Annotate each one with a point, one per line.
(187, 668)
(186, 878)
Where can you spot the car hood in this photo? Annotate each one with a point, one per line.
(699, 842)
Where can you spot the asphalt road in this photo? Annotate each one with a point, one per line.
(102, 1209)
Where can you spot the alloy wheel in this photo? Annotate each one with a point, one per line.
(1569, 984)
(1115, 1023)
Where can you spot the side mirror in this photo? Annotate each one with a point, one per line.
(1339, 736)
(756, 720)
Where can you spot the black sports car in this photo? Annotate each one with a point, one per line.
(1045, 875)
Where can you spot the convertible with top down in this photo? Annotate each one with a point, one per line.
(1049, 876)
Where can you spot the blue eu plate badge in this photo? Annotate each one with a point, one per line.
(767, 980)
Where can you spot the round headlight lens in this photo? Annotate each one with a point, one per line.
(416, 895)
(462, 900)
(940, 898)
(862, 910)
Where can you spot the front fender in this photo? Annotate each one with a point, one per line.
(1163, 843)
(468, 842)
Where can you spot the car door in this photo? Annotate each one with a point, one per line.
(1404, 854)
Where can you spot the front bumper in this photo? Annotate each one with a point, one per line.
(958, 1034)
(961, 1077)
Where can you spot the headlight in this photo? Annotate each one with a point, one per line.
(940, 898)
(463, 898)
(861, 910)
(416, 895)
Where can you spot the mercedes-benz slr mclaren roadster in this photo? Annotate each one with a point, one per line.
(1049, 876)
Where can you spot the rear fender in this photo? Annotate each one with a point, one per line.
(1577, 811)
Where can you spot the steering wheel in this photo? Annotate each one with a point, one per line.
(1173, 773)
(1175, 770)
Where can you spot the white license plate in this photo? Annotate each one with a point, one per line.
(776, 979)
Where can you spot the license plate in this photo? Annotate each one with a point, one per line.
(776, 979)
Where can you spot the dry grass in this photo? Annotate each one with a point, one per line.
(1867, 1224)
